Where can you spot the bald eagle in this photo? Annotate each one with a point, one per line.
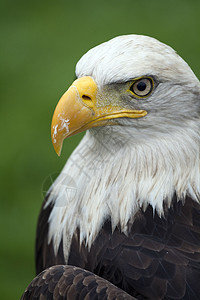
(122, 220)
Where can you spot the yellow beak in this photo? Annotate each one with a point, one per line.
(77, 111)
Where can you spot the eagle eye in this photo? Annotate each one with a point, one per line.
(142, 87)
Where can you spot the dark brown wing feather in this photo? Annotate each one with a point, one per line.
(44, 252)
(70, 283)
(158, 259)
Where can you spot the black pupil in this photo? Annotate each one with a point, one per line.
(141, 86)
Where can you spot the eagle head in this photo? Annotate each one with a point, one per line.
(139, 102)
(134, 82)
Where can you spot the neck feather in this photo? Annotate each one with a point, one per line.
(107, 178)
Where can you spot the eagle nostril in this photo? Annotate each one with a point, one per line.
(85, 97)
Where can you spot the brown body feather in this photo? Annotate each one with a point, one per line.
(158, 259)
(68, 282)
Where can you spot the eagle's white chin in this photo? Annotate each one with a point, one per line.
(109, 177)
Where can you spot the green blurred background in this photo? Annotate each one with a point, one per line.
(41, 42)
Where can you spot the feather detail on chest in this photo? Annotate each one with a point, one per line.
(114, 179)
